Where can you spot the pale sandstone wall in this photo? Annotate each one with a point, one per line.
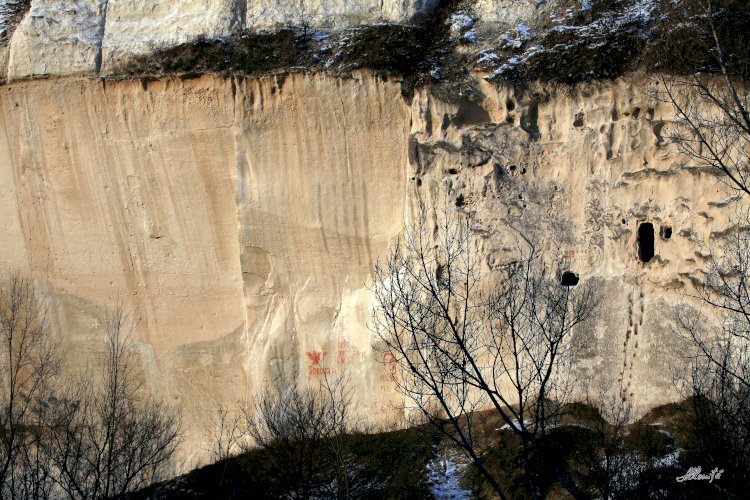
(577, 173)
(239, 220)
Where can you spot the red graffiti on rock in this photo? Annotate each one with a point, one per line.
(390, 361)
(315, 368)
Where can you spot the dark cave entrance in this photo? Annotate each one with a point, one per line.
(569, 278)
(646, 241)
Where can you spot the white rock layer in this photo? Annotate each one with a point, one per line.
(88, 36)
(57, 38)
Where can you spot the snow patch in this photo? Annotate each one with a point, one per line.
(469, 37)
(461, 22)
(522, 35)
(443, 477)
(488, 58)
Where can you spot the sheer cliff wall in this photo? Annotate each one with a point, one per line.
(239, 219)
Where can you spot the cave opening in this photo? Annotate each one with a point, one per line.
(646, 241)
(666, 232)
(569, 278)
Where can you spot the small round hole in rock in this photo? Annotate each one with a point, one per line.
(452, 171)
(666, 232)
(569, 278)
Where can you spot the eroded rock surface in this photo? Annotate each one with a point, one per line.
(240, 219)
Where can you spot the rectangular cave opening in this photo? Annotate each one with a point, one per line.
(646, 242)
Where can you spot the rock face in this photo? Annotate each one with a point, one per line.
(332, 13)
(239, 220)
(58, 38)
(134, 27)
(91, 36)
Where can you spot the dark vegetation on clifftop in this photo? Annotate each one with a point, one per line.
(606, 40)
(12, 11)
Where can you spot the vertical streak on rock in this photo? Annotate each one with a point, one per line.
(238, 16)
(103, 25)
(239, 111)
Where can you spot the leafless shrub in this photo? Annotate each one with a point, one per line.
(718, 380)
(108, 437)
(304, 430)
(29, 361)
(713, 107)
(225, 432)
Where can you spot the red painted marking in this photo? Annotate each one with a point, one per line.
(315, 356)
(383, 408)
(344, 349)
(391, 360)
(569, 254)
(318, 370)
(315, 368)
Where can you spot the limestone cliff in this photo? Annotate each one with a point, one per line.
(240, 219)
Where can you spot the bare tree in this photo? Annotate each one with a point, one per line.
(462, 345)
(302, 429)
(29, 360)
(225, 432)
(109, 437)
(719, 360)
(712, 104)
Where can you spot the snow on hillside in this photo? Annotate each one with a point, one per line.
(443, 476)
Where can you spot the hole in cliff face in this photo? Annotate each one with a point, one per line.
(666, 232)
(657, 129)
(636, 113)
(530, 121)
(470, 113)
(510, 105)
(646, 241)
(446, 122)
(578, 121)
(569, 278)
(460, 201)
(452, 171)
